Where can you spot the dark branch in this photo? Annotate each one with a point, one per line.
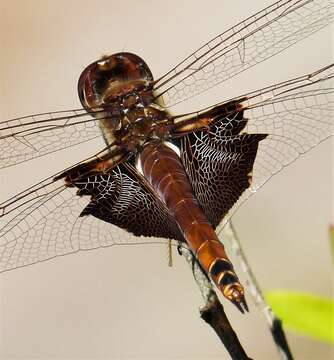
(213, 312)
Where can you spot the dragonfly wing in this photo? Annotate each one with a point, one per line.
(243, 150)
(250, 42)
(51, 219)
(33, 136)
(219, 171)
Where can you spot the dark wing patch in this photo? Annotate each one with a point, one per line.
(219, 164)
(122, 197)
(232, 124)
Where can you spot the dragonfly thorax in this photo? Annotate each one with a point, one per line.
(136, 124)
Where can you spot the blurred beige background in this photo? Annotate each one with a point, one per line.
(85, 306)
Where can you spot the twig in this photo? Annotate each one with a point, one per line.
(213, 312)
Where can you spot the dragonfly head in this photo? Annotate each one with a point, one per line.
(111, 78)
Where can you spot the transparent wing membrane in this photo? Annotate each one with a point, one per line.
(33, 136)
(298, 115)
(297, 112)
(250, 42)
(44, 222)
(36, 224)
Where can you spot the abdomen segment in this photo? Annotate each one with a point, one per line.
(163, 168)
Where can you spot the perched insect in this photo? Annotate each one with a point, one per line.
(165, 176)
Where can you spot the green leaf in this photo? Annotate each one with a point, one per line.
(304, 313)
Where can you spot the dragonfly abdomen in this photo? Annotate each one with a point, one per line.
(163, 168)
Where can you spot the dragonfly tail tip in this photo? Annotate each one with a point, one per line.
(241, 304)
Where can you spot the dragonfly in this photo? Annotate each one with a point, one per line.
(225, 152)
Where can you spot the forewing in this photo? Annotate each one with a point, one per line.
(33, 136)
(250, 42)
(50, 219)
(277, 125)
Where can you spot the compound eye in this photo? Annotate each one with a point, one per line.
(86, 82)
(112, 77)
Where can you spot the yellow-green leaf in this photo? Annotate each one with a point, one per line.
(304, 313)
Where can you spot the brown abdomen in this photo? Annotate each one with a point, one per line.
(163, 168)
